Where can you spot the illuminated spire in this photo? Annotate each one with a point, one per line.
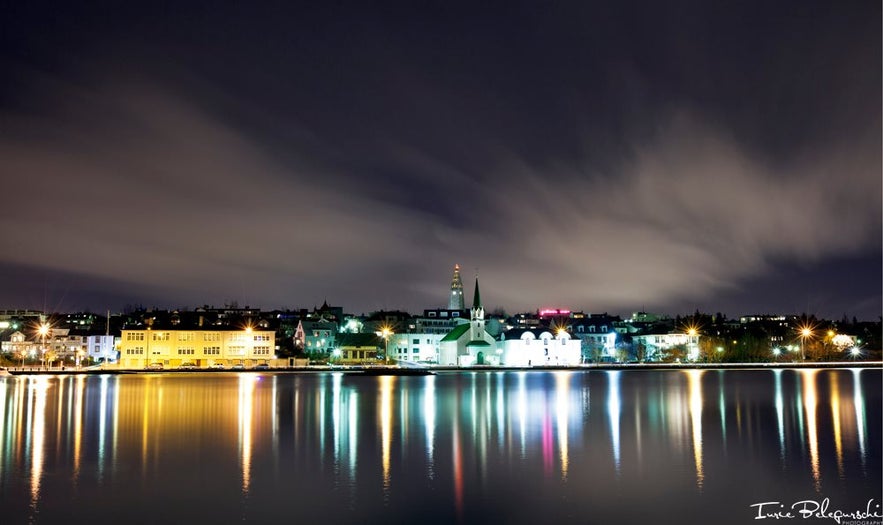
(456, 302)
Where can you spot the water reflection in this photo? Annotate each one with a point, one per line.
(695, 394)
(810, 402)
(37, 415)
(859, 402)
(450, 442)
(246, 417)
(613, 409)
(386, 386)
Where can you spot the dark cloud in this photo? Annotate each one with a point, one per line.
(589, 156)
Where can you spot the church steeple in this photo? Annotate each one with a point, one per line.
(476, 297)
(456, 301)
(477, 315)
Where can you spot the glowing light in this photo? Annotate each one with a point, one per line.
(545, 312)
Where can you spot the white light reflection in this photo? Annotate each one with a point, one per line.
(102, 427)
(336, 379)
(501, 409)
(522, 411)
(613, 411)
(246, 408)
(353, 406)
(780, 412)
(809, 404)
(859, 402)
(562, 409)
(429, 423)
(694, 386)
(39, 385)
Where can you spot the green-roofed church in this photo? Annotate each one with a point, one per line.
(469, 343)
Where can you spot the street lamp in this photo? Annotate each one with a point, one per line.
(385, 332)
(43, 330)
(805, 332)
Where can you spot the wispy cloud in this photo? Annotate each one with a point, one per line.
(143, 187)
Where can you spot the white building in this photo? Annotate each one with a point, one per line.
(658, 346)
(524, 347)
(102, 348)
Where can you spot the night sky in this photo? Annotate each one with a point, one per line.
(601, 156)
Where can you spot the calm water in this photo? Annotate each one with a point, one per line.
(491, 447)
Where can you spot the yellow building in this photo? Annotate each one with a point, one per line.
(201, 348)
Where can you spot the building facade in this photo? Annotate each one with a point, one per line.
(202, 348)
(525, 347)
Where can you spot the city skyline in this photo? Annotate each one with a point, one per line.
(595, 157)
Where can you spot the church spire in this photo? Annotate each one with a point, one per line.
(456, 301)
(476, 297)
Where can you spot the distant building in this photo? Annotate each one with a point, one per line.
(354, 349)
(456, 301)
(101, 348)
(658, 347)
(525, 347)
(203, 348)
(316, 337)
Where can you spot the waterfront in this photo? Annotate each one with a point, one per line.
(630, 446)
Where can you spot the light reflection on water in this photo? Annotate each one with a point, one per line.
(440, 448)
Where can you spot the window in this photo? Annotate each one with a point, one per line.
(185, 336)
(138, 350)
(161, 336)
(212, 350)
(262, 337)
(261, 350)
(213, 336)
(416, 341)
(185, 351)
(135, 336)
(415, 350)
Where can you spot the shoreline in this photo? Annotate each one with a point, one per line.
(455, 369)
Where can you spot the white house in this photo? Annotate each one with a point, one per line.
(525, 347)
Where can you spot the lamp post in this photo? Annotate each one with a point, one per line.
(43, 331)
(385, 332)
(804, 333)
